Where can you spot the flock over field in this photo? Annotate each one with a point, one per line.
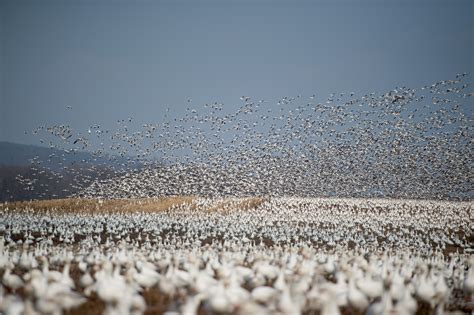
(345, 204)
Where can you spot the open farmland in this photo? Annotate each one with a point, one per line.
(237, 255)
(236, 157)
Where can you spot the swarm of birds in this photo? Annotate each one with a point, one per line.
(405, 143)
(219, 256)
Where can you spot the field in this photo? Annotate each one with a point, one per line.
(190, 255)
(236, 157)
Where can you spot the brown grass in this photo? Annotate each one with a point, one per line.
(249, 203)
(79, 205)
(75, 205)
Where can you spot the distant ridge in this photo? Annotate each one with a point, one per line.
(16, 154)
(51, 170)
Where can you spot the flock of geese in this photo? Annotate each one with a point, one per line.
(240, 256)
(286, 252)
(403, 143)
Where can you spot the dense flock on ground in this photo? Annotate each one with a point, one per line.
(242, 256)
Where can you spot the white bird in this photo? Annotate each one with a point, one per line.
(264, 294)
(12, 281)
(356, 298)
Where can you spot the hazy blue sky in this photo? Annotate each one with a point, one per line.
(113, 59)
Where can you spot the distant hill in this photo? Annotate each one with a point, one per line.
(55, 172)
(15, 154)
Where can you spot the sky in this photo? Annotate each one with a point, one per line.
(112, 59)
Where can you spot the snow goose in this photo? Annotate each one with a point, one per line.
(357, 299)
(12, 281)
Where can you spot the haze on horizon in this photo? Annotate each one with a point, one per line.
(112, 60)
